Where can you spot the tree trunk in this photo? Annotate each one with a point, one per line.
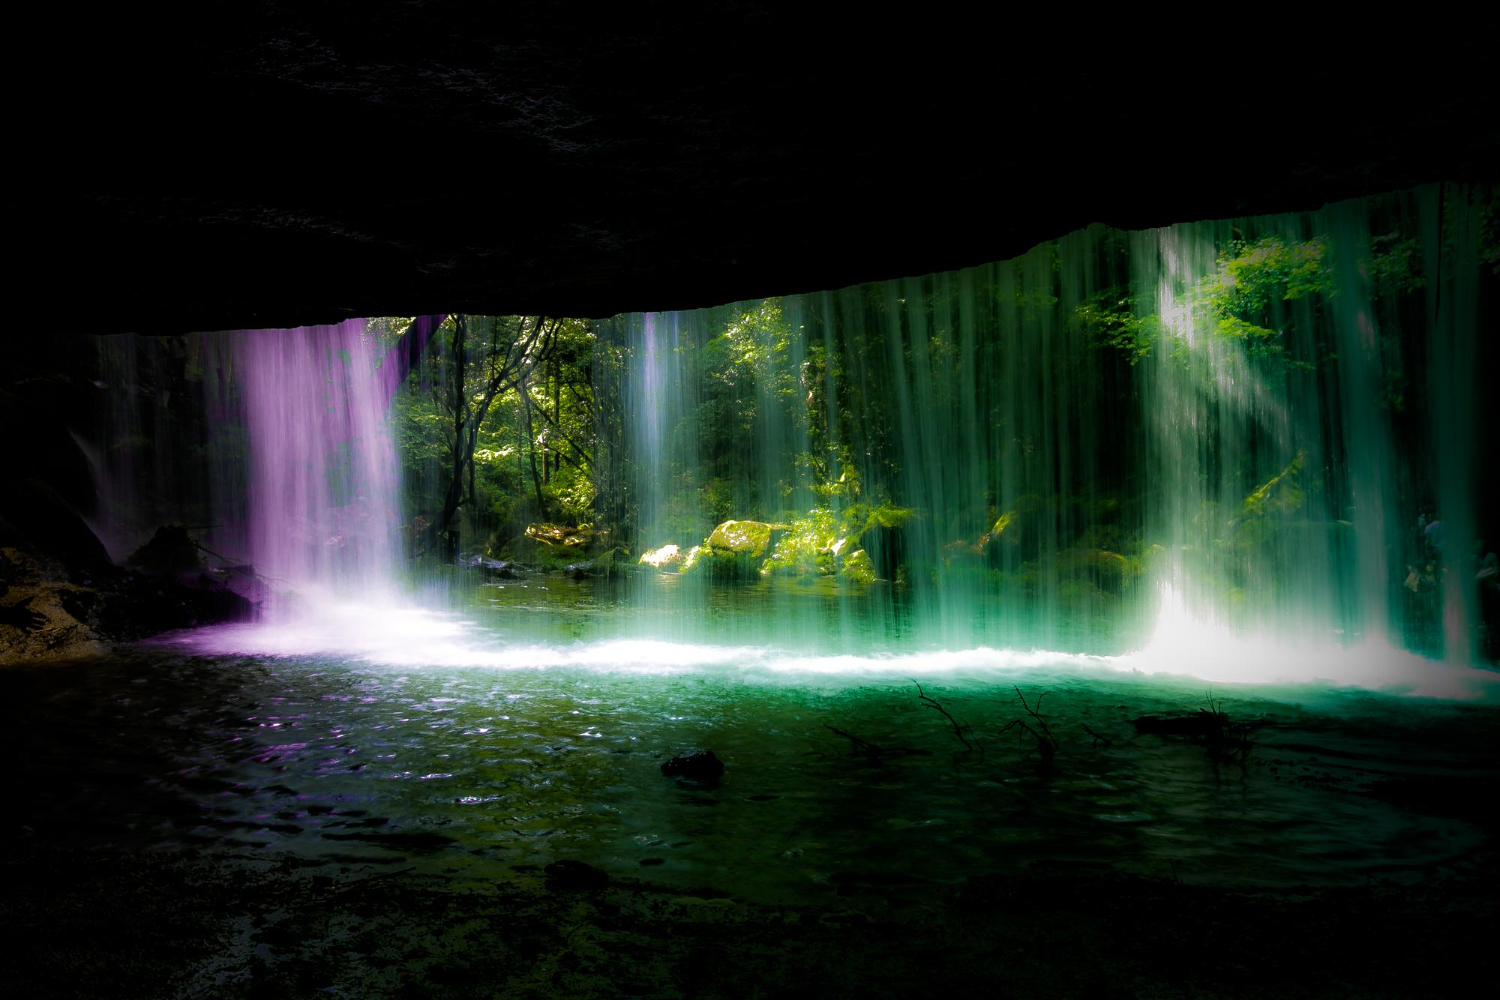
(448, 526)
(536, 479)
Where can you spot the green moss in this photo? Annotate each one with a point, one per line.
(810, 546)
(1278, 495)
(694, 558)
(741, 538)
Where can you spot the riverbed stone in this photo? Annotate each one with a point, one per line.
(495, 569)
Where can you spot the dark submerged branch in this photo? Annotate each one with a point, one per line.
(873, 752)
(958, 729)
(1046, 743)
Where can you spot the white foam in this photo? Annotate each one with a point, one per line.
(1181, 647)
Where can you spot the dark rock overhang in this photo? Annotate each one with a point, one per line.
(278, 164)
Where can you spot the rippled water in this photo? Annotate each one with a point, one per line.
(521, 736)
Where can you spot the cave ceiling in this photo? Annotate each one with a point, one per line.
(279, 164)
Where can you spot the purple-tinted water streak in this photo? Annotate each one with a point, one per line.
(321, 493)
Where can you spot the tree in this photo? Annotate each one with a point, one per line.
(498, 357)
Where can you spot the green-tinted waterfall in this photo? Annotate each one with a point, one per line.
(1264, 431)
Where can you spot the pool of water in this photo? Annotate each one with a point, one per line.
(493, 741)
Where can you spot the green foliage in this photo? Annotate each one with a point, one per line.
(822, 542)
(1253, 275)
(1111, 319)
(1396, 265)
(882, 514)
(1489, 227)
(1280, 494)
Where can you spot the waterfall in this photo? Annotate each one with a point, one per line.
(1222, 424)
(1241, 450)
(320, 502)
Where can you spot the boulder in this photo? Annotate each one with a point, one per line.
(170, 552)
(734, 549)
(742, 538)
(39, 617)
(662, 558)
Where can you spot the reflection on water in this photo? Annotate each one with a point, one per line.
(434, 758)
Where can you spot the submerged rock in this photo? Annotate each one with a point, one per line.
(495, 569)
(573, 875)
(697, 765)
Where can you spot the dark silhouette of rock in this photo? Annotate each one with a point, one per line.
(170, 551)
(699, 765)
(43, 521)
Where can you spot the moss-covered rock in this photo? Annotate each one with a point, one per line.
(857, 567)
(742, 538)
(548, 546)
(561, 535)
(985, 548)
(823, 541)
(734, 549)
(810, 546)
